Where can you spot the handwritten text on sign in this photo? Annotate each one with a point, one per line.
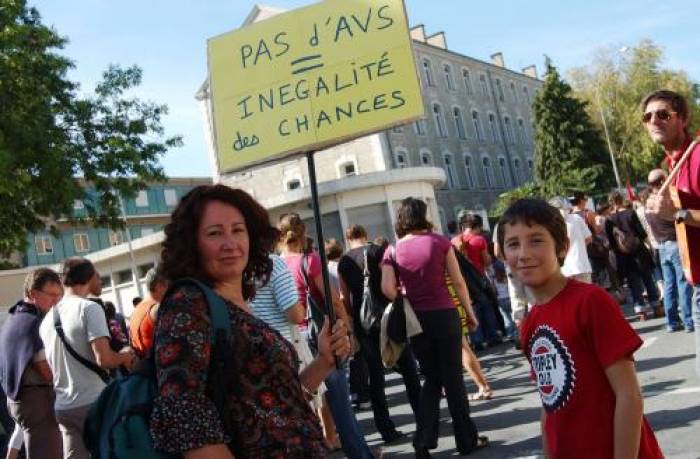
(311, 78)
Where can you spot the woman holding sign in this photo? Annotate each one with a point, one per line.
(222, 237)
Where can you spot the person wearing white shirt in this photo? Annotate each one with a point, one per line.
(576, 264)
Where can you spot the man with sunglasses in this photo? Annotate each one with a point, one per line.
(678, 293)
(665, 116)
(26, 376)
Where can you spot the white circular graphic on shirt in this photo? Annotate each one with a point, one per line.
(553, 367)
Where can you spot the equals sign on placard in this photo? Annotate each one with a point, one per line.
(306, 63)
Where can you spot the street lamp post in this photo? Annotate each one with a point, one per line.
(132, 258)
(607, 138)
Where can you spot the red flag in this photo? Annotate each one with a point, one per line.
(630, 193)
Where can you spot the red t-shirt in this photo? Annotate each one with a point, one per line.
(472, 246)
(688, 184)
(569, 342)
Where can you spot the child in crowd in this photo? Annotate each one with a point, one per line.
(578, 344)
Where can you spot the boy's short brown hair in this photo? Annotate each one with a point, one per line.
(532, 211)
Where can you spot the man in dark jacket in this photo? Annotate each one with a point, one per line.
(26, 376)
(351, 268)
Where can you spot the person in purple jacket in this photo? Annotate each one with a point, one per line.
(418, 265)
(24, 372)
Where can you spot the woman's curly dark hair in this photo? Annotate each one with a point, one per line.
(180, 255)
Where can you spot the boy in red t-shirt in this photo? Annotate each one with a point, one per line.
(578, 344)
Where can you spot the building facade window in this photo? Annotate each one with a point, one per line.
(43, 245)
(293, 184)
(347, 169)
(449, 82)
(419, 127)
(477, 125)
(503, 169)
(115, 237)
(521, 131)
(124, 276)
(401, 159)
(426, 158)
(526, 93)
(484, 86)
(530, 166)
(486, 169)
(450, 171)
(467, 79)
(459, 123)
(517, 171)
(170, 197)
(510, 138)
(440, 125)
(428, 72)
(513, 92)
(499, 90)
(142, 199)
(492, 128)
(81, 242)
(469, 171)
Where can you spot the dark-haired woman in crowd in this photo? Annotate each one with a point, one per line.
(305, 266)
(222, 237)
(420, 259)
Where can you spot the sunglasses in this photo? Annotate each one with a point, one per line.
(663, 115)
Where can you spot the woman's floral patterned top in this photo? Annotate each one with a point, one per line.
(270, 414)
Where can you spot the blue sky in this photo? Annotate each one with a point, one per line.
(167, 39)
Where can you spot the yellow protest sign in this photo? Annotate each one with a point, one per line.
(311, 78)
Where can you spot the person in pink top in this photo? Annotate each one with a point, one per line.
(471, 242)
(418, 264)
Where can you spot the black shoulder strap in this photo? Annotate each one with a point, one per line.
(92, 366)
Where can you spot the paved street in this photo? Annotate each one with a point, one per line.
(511, 418)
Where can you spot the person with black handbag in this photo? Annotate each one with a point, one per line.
(305, 266)
(420, 259)
(360, 282)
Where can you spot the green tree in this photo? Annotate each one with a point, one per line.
(54, 144)
(569, 152)
(615, 83)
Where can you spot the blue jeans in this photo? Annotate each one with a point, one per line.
(507, 313)
(639, 281)
(338, 397)
(678, 293)
(696, 321)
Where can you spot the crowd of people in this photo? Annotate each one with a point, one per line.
(549, 279)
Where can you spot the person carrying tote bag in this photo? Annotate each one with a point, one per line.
(421, 258)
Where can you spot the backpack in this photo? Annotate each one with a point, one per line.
(627, 242)
(371, 308)
(117, 425)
